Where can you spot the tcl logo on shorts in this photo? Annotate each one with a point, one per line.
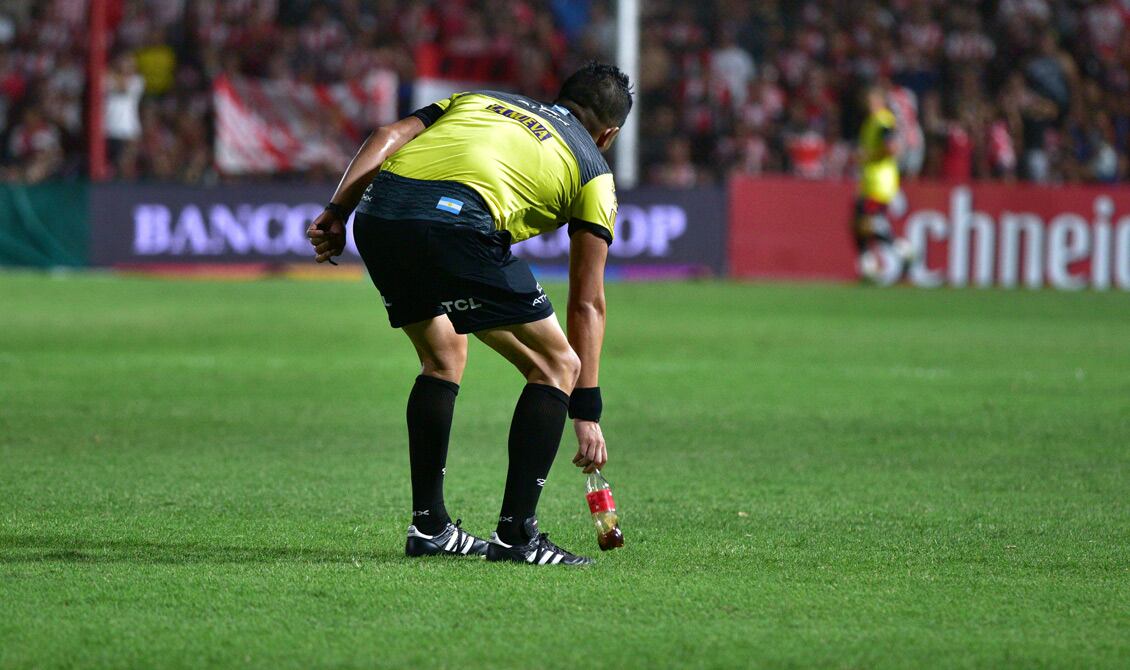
(461, 305)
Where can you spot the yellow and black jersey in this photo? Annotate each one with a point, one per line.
(486, 157)
(879, 180)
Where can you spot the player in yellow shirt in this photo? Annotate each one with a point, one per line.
(440, 196)
(878, 186)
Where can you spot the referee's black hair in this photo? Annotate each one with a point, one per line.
(601, 89)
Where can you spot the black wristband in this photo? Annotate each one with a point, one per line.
(340, 211)
(585, 404)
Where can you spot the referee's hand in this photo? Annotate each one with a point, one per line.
(327, 236)
(592, 452)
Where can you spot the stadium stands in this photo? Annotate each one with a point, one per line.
(1006, 89)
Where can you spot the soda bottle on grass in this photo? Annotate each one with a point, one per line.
(598, 492)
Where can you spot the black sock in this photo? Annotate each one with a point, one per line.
(861, 238)
(535, 434)
(430, 408)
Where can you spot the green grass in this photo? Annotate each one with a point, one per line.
(215, 474)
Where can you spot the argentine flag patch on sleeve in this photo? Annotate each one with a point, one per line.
(450, 205)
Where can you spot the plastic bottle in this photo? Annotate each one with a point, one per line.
(598, 492)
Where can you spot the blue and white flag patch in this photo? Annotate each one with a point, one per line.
(450, 205)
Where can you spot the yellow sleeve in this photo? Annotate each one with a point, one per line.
(888, 123)
(446, 102)
(430, 114)
(596, 204)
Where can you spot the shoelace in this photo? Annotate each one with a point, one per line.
(459, 534)
(543, 541)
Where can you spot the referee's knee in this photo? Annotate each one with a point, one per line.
(448, 365)
(561, 370)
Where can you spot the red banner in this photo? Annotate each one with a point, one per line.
(266, 126)
(965, 235)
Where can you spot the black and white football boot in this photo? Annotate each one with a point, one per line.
(451, 541)
(538, 550)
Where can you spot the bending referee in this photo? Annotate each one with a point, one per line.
(440, 197)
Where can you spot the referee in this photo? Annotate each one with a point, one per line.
(440, 197)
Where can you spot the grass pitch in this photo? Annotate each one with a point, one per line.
(215, 474)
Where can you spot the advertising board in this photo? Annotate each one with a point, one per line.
(659, 233)
(1009, 236)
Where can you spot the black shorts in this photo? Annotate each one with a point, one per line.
(426, 268)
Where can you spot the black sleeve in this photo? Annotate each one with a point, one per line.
(600, 231)
(429, 115)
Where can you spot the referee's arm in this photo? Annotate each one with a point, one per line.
(588, 254)
(327, 232)
(384, 142)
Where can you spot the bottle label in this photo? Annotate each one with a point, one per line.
(600, 501)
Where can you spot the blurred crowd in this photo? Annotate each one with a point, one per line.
(1036, 90)
(1007, 89)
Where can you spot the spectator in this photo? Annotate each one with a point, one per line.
(36, 148)
(1052, 72)
(1104, 21)
(957, 161)
(1027, 11)
(1105, 165)
(1034, 89)
(7, 27)
(157, 63)
(747, 152)
(677, 171)
(732, 66)
(968, 45)
(13, 86)
(124, 88)
(1033, 115)
(656, 64)
(598, 41)
(159, 150)
(1001, 150)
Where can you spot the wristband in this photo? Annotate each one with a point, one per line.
(585, 404)
(340, 211)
